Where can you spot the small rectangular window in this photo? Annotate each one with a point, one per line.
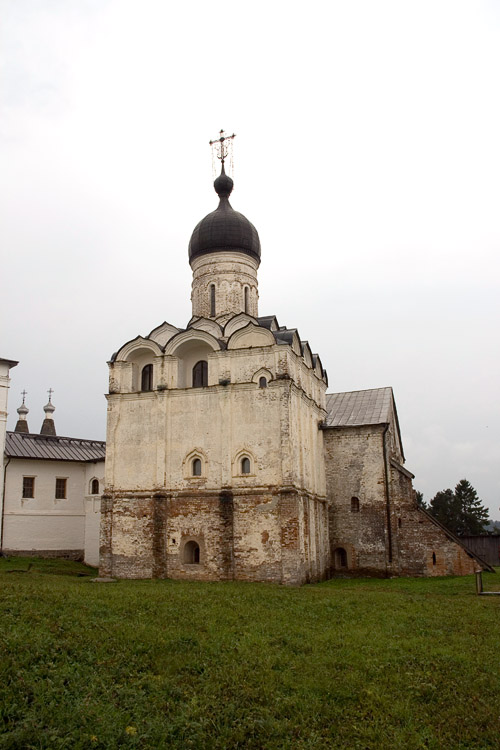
(28, 487)
(61, 489)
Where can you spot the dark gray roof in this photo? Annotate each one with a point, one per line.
(355, 408)
(27, 445)
(224, 229)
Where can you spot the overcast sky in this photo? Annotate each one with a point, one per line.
(367, 156)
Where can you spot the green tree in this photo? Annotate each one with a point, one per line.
(419, 496)
(460, 511)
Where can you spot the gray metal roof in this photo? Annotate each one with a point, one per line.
(27, 445)
(355, 408)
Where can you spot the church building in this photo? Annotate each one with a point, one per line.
(226, 458)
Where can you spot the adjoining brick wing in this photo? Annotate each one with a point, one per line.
(375, 524)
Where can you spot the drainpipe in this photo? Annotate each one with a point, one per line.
(387, 499)
(3, 505)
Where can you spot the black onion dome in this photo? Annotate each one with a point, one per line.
(224, 228)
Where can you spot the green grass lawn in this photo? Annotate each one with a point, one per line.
(403, 663)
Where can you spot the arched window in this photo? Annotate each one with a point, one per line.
(94, 487)
(245, 465)
(262, 382)
(196, 467)
(354, 505)
(247, 299)
(340, 558)
(147, 378)
(192, 553)
(212, 300)
(200, 374)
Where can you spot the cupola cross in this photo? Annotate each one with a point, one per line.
(24, 394)
(50, 392)
(221, 145)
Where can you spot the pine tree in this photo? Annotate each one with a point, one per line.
(473, 516)
(460, 511)
(443, 507)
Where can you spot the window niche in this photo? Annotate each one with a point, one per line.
(212, 300)
(147, 378)
(94, 487)
(354, 504)
(340, 558)
(196, 467)
(262, 382)
(191, 553)
(200, 374)
(245, 465)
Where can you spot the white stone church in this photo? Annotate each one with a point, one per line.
(226, 459)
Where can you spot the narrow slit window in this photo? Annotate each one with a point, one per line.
(94, 487)
(246, 299)
(245, 465)
(200, 374)
(212, 300)
(354, 504)
(433, 558)
(196, 467)
(61, 488)
(147, 378)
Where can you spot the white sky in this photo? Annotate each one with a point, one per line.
(367, 156)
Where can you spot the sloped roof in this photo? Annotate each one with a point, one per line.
(355, 408)
(27, 445)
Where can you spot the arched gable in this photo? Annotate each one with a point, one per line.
(163, 333)
(307, 354)
(191, 336)
(250, 336)
(238, 321)
(137, 347)
(205, 324)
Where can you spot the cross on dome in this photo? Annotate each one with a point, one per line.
(221, 146)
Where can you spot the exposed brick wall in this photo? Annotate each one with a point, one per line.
(389, 535)
(251, 536)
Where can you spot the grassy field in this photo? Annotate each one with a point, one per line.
(405, 663)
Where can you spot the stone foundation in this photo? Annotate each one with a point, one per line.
(272, 535)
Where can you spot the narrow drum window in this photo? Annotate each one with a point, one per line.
(94, 487)
(28, 487)
(433, 558)
(147, 378)
(196, 467)
(200, 374)
(245, 465)
(212, 300)
(354, 505)
(262, 382)
(247, 299)
(61, 489)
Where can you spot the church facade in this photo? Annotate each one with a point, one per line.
(226, 459)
